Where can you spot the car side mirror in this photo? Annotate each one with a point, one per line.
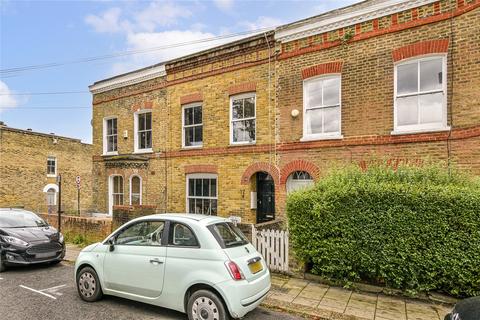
(111, 245)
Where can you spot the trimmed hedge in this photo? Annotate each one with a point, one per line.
(413, 228)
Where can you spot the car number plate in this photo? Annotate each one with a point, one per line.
(45, 255)
(255, 266)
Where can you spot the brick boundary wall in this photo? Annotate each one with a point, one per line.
(123, 214)
(94, 229)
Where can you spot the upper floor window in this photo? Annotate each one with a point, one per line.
(110, 136)
(192, 125)
(51, 166)
(135, 190)
(420, 95)
(202, 193)
(143, 131)
(243, 119)
(322, 107)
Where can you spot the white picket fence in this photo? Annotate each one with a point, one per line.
(273, 245)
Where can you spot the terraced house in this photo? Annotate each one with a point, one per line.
(234, 129)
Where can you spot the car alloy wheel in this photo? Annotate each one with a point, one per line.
(205, 309)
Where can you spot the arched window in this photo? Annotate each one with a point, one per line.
(299, 180)
(135, 190)
(51, 197)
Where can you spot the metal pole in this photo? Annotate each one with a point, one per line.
(59, 202)
(78, 199)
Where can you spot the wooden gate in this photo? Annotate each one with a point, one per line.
(273, 245)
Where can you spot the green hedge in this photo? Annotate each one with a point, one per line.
(414, 228)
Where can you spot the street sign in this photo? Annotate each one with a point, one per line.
(77, 180)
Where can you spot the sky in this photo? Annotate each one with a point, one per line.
(55, 99)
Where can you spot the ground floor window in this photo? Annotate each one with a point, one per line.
(51, 197)
(202, 193)
(135, 190)
(117, 190)
(299, 180)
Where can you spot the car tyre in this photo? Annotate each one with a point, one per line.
(204, 304)
(2, 265)
(88, 285)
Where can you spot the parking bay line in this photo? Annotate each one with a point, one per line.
(37, 291)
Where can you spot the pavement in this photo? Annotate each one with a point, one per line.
(49, 292)
(323, 302)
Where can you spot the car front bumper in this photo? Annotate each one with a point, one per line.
(13, 255)
(242, 296)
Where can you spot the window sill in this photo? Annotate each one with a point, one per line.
(143, 151)
(110, 154)
(322, 137)
(51, 175)
(420, 130)
(191, 147)
(242, 144)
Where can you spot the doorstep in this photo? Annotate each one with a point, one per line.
(325, 302)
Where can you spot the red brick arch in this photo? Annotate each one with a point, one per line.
(258, 167)
(298, 165)
(420, 48)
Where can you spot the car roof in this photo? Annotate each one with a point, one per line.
(186, 217)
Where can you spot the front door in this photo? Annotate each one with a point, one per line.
(265, 197)
(136, 266)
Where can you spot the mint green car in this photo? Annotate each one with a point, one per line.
(200, 265)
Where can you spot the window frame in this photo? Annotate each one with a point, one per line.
(136, 140)
(321, 136)
(200, 176)
(47, 194)
(237, 97)
(290, 180)
(171, 224)
(105, 140)
(187, 106)
(55, 167)
(130, 188)
(426, 127)
(112, 194)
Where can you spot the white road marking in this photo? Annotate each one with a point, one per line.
(54, 290)
(45, 294)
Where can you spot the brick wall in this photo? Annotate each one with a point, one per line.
(23, 170)
(93, 229)
(123, 214)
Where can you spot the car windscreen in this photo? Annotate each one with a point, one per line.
(228, 235)
(20, 219)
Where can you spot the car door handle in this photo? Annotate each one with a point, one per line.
(157, 261)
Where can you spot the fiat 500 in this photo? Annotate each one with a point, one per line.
(200, 265)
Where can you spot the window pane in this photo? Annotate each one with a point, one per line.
(314, 121)
(148, 121)
(191, 187)
(188, 117)
(213, 187)
(431, 108)
(197, 117)
(331, 91)
(182, 236)
(135, 185)
(407, 78)
(191, 205)
(114, 143)
(148, 143)
(250, 130)
(331, 119)
(141, 121)
(206, 206)
(141, 140)
(237, 109)
(407, 111)
(314, 93)
(238, 131)
(213, 207)
(198, 135)
(249, 108)
(206, 187)
(189, 136)
(431, 75)
(114, 126)
(198, 187)
(135, 199)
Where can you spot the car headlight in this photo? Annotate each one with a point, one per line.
(13, 240)
(60, 237)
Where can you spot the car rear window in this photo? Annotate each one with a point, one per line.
(20, 219)
(228, 235)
